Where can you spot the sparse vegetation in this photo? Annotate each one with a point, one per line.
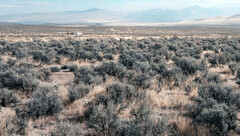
(152, 86)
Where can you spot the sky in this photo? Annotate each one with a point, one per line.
(36, 6)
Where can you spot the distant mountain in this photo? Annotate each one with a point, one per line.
(8, 23)
(100, 16)
(235, 17)
(165, 15)
(212, 21)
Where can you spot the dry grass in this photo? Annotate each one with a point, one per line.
(41, 126)
(170, 99)
(7, 121)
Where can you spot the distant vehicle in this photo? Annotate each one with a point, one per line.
(78, 33)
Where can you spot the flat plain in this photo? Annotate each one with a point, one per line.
(119, 80)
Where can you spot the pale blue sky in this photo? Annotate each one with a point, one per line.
(33, 6)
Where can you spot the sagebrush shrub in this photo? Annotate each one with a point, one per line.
(130, 57)
(44, 74)
(102, 120)
(217, 92)
(111, 68)
(78, 92)
(141, 80)
(118, 92)
(190, 66)
(7, 97)
(213, 78)
(44, 103)
(20, 79)
(238, 73)
(216, 108)
(73, 67)
(141, 66)
(55, 69)
(87, 76)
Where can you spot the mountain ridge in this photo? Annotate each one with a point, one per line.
(96, 15)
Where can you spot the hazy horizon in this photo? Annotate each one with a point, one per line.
(36, 6)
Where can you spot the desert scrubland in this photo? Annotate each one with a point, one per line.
(128, 81)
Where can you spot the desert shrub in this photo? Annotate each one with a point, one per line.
(102, 99)
(41, 57)
(141, 66)
(43, 103)
(164, 52)
(213, 60)
(213, 78)
(235, 99)
(220, 59)
(238, 73)
(3, 42)
(7, 97)
(173, 47)
(145, 123)
(151, 127)
(238, 82)
(66, 129)
(160, 68)
(218, 117)
(73, 67)
(190, 66)
(44, 74)
(26, 65)
(87, 76)
(207, 55)
(118, 92)
(218, 92)
(102, 120)
(108, 57)
(130, 57)
(141, 80)
(172, 78)
(21, 120)
(111, 68)
(65, 67)
(78, 92)
(216, 108)
(58, 59)
(11, 62)
(157, 59)
(20, 79)
(234, 67)
(55, 69)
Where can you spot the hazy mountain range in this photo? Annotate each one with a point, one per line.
(99, 16)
